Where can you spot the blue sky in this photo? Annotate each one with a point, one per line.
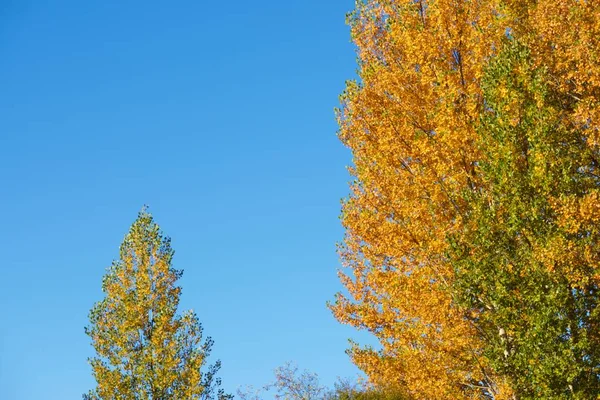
(219, 115)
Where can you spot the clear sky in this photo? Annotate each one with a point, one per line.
(219, 116)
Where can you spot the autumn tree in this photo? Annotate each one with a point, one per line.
(410, 122)
(527, 259)
(562, 36)
(144, 349)
(346, 389)
(472, 224)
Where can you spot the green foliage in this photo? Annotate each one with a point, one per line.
(289, 384)
(368, 395)
(524, 264)
(144, 350)
(349, 390)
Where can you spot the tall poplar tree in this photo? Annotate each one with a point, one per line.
(144, 350)
(527, 260)
(472, 225)
(410, 123)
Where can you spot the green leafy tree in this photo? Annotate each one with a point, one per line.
(359, 390)
(144, 350)
(371, 394)
(527, 261)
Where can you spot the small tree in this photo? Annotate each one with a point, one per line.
(292, 384)
(143, 349)
(289, 384)
(349, 389)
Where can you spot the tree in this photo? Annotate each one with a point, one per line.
(292, 384)
(352, 390)
(368, 394)
(562, 36)
(289, 384)
(411, 126)
(527, 259)
(144, 350)
(472, 224)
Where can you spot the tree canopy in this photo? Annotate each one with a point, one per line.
(144, 349)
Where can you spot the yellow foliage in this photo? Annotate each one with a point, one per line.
(144, 350)
(410, 124)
